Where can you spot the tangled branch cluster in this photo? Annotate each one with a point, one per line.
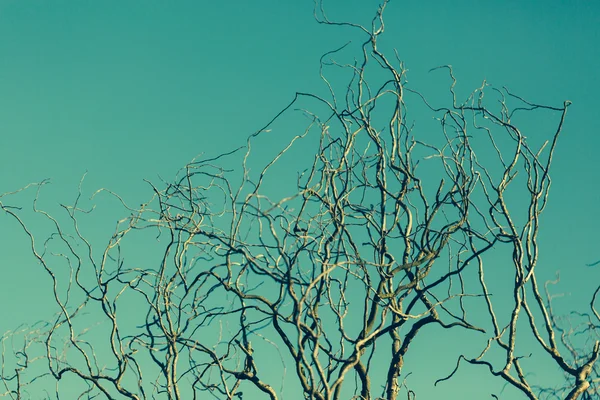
(323, 291)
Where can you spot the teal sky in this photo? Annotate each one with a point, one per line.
(130, 90)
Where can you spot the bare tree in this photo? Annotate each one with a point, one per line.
(236, 278)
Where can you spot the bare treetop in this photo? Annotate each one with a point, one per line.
(315, 283)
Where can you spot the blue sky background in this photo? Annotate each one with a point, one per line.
(128, 90)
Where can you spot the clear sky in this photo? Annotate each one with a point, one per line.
(129, 90)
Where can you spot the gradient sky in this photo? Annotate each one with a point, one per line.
(128, 90)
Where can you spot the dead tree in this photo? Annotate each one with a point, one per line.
(238, 278)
